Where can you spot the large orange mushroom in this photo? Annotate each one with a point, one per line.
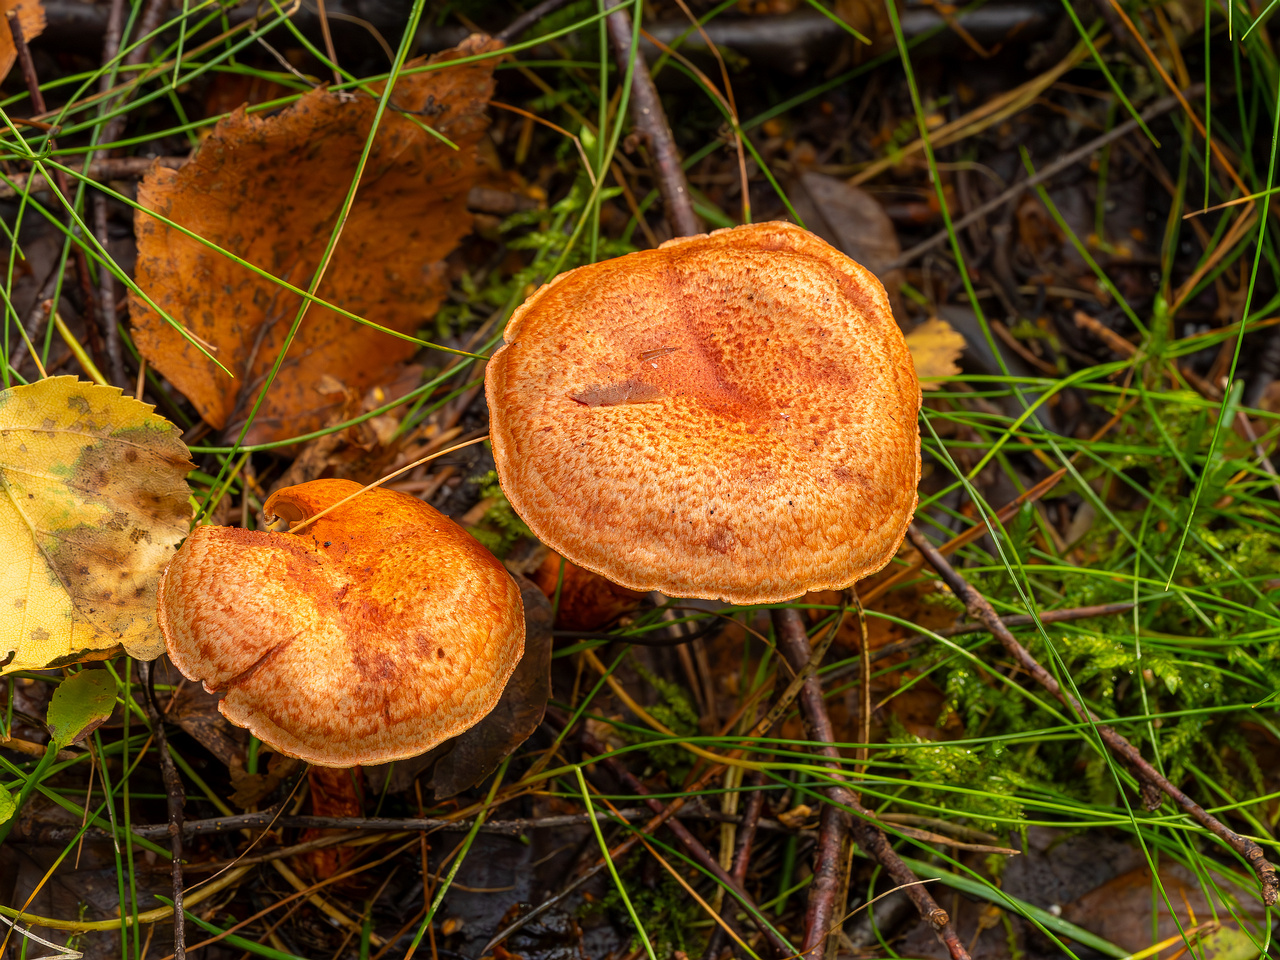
(729, 416)
(375, 633)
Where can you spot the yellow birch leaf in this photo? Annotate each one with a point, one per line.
(93, 502)
(935, 347)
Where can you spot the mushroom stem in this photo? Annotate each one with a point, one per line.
(822, 914)
(651, 122)
(1150, 780)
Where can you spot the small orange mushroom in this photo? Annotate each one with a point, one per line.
(374, 634)
(730, 416)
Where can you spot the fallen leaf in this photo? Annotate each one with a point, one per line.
(8, 806)
(195, 711)
(1227, 943)
(935, 347)
(93, 501)
(30, 17)
(269, 190)
(80, 705)
(1121, 910)
(796, 817)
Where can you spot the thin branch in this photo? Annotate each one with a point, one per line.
(1160, 107)
(60, 178)
(176, 799)
(107, 281)
(527, 19)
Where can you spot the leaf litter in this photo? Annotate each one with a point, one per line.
(269, 190)
(1031, 281)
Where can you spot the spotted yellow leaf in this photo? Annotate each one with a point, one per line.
(93, 502)
(935, 347)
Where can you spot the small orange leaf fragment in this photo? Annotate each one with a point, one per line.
(374, 634)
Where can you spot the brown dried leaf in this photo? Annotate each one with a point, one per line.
(30, 16)
(269, 190)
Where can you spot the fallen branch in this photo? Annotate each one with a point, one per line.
(1148, 776)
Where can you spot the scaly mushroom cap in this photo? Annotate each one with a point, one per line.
(373, 634)
(729, 416)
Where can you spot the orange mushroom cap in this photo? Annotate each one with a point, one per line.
(374, 634)
(730, 416)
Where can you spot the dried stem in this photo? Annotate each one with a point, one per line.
(650, 120)
(1148, 776)
(821, 915)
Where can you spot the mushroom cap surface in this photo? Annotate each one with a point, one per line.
(374, 634)
(730, 416)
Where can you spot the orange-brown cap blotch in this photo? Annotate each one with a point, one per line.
(730, 416)
(376, 633)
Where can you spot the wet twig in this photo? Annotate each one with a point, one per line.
(651, 122)
(1148, 776)
(742, 852)
(821, 915)
(114, 168)
(520, 24)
